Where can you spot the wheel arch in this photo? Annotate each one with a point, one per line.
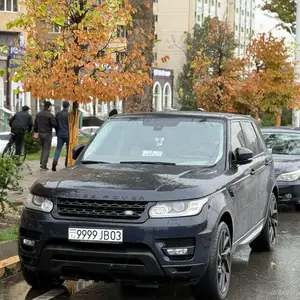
(275, 190)
(227, 219)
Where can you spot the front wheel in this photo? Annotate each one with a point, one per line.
(41, 281)
(215, 283)
(266, 241)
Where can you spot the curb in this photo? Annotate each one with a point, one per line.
(9, 266)
(9, 260)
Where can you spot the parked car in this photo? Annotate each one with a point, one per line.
(154, 197)
(4, 139)
(88, 130)
(284, 143)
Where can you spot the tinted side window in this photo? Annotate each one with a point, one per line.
(237, 136)
(252, 141)
(260, 140)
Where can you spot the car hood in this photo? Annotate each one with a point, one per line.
(130, 182)
(286, 163)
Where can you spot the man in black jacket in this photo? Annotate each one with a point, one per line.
(20, 123)
(43, 126)
(62, 133)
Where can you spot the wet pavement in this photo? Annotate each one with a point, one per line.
(256, 276)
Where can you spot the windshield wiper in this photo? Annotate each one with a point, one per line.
(93, 162)
(137, 162)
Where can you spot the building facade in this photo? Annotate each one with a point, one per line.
(14, 40)
(243, 24)
(173, 19)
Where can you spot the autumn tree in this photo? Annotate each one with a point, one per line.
(270, 86)
(143, 22)
(285, 11)
(88, 58)
(215, 70)
(194, 42)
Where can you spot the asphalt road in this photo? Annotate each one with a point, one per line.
(266, 276)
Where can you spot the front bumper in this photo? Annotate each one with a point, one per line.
(289, 192)
(140, 258)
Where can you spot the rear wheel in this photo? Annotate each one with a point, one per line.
(215, 283)
(9, 151)
(41, 280)
(266, 241)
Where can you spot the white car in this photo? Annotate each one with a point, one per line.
(88, 130)
(4, 138)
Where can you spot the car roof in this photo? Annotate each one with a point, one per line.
(200, 114)
(281, 129)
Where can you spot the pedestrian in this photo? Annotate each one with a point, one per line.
(43, 126)
(20, 123)
(62, 133)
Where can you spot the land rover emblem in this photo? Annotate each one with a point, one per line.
(128, 213)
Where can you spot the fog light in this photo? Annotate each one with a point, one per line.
(28, 242)
(177, 251)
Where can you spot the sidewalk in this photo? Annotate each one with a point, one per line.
(30, 172)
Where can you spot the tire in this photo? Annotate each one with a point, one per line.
(6, 151)
(41, 281)
(266, 241)
(297, 207)
(219, 268)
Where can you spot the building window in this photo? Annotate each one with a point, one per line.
(155, 55)
(237, 10)
(121, 32)
(156, 37)
(157, 96)
(205, 1)
(198, 18)
(56, 28)
(236, 27)
(212, 2)
(219, 4)
(9, 5)
(242, 12)
(167, 96)
(156, 18)
(248, 14)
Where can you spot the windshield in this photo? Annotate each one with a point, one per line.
(283, 143)
(158, 140)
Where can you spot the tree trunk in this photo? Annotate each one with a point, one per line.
(73, 131)
(278, 119)
(257, 115)
(142, 20)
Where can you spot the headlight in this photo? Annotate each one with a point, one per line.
(38, 203)
(177, 208)
(293, 176)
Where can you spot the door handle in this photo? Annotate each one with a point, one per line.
(267, 162)
(253, 171)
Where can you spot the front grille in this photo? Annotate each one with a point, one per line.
(100, 209)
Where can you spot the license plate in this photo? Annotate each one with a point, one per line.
(96, 235)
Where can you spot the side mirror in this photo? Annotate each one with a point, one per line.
(77, 150)
(243, 156)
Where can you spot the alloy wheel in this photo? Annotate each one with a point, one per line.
(224, 261)
(273, 221)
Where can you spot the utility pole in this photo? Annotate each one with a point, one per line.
(296, 114)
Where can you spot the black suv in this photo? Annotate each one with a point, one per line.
(152, 198)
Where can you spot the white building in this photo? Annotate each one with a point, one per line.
(243, 24)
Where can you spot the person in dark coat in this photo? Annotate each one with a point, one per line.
(62, 133)
(20, 123)
(43, 126)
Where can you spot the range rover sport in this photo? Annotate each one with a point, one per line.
(153, 198)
